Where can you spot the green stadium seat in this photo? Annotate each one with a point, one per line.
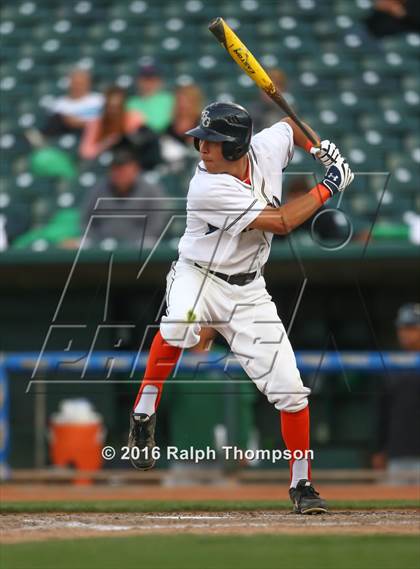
(412, 144)
(383, 203)
(365, 99)
(411, 83)
(405, 44)
(404, 173)
(361, 155)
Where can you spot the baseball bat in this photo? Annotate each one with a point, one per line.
(244, 58)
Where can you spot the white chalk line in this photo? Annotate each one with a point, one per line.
(40, 524)
(186, 517)
(47, 524)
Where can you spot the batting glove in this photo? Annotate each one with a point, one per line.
(338, 177)
(327, 153)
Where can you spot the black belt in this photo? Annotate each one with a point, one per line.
(239, 279)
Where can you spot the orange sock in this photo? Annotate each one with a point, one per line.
(162, 360)
(295, 433)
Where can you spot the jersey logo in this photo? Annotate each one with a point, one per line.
(205, 118)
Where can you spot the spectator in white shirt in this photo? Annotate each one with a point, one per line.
(71, 113)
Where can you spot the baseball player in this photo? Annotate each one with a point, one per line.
(233, 210)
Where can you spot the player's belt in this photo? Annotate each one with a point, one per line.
(239, 279)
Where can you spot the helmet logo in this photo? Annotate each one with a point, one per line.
(205, 118)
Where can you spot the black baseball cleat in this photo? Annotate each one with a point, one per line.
(306, 499)
(141, 440)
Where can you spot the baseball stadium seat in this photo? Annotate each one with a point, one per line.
(362, 95)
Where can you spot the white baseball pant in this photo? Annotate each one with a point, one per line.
(246, 317)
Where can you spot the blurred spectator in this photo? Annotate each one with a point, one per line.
(152, 101)
(187, 111)
(330, 226)
(264, 112)
(52, 162)
(394, 17)
(108, 128)
(70, 115)
(73, 111)
(117, 125)
(61, 230)
(125, 180)
(399, 418)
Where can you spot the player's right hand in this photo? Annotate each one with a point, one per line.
(327, 153)
(338, 177)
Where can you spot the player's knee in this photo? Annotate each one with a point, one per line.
(180, 334)
(291, 402)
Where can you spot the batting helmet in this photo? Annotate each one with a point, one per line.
(228, 123)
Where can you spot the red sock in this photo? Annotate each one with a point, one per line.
(295, 433)
(161, 362)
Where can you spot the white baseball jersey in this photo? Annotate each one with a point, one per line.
(220, 207)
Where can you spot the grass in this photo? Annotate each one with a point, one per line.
(110, 506)
(217, 552)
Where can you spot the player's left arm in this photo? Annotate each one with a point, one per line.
(326, 152)
(284, 219)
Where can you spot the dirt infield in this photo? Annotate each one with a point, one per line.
(41, 492)
(29, 527)
(19, 527)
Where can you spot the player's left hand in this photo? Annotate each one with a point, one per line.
(327, 153)
(338, 177)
